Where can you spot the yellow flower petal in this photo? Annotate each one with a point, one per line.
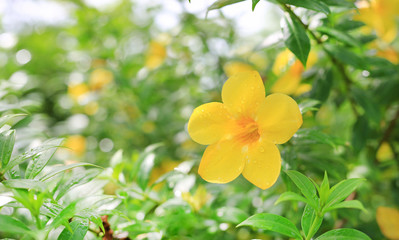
(222, 162)
(388, 221)
(263, 164)
(242, 93)
(208, 123)
(384, 152)
(235, 67)
(278, 118)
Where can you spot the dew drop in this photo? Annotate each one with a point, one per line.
(262, 149)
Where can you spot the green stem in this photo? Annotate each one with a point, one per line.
(312, 227)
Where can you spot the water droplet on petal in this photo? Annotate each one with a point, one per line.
(262, 149)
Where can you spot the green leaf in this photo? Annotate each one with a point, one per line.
(342, 190)
(60, 169)
(347, 204)
(309, 105)
(305, 185)
(360, 133)
(366, 100)
(314, 5)
(25, 184)
(30, 153)
(145, 170)
(7, 140)
(347, 25)
(339, 35)
(296, 39)
(64, 215)
(222, 3)
(344, 234)
(231, 215)
(324, 189)
(322, 85)
(6, 118)
(79, 230)
(11, 225)
(76, 180)
(290, 196)
(273, 223)
(308, 217)
(340, 3)
(40, 160)
(346, 56)
(254, 2)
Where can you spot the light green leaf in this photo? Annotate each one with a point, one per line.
(339, 35)
(347, 204)
(324, 189)
(79, 230)
(273, 223)
(231, 215)
(290, 196)
(342, 190)
(366, 100)
(308, 217)
(309, 105)
(39, 161)
(305, 185)
(60, 169)
(145, 170)
(296, 39)
(6, 118)
(222, 3)
(11, 225)
(344, 234)
(314, 5)
(7, 140)
(64, 215)
(25, 184)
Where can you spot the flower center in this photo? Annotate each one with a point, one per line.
(247, 131)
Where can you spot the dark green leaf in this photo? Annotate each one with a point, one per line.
(340, 3)
(342, 190)
(305, 185)
(364, 99)
(290, 196)
(343, 234)
(322, 85)
(296, 39)
(254, 2)
(39, 161)
(360, 133)
(347, 25)
(314, 5)
(11, 225)
(308, 217)
(273, 223)
(7, 140)
(346, 56)
(79, 230)
(314, 135)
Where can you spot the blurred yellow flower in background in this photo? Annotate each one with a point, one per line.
(156, 55)
(148, 127)
(381, 16)
(242, 131)
(384, 152)
(390, 54)
(164, 167)
(200, 198)
(289, 71)
(76, 144)
(388, 221)
(99, 78)
(78, 91)
(235, 67)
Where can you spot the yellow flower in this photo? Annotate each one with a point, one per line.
(242, 131)
(200, 198)
(77, 144)
(156, 55)
(166, 166)
(388, 221)
(235, 67)
(78, 91)
(390, 54)
(289, 71)
(380, 15)
(384, 152)
(99, 78)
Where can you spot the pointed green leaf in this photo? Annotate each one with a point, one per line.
(324, 189)
(296, 39)
(7, 140)
(222, 3)
(347, 204)
(25, 184)
(64, 215)
(60, 169)
(314, 5)
(305, 185)
(309, 105)
(344, 234)
(308, 217)
(11, 225)
(290, 196)
(273, 223)
(79, 230)
(254, 2)
(342, 190)
(339, 35)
